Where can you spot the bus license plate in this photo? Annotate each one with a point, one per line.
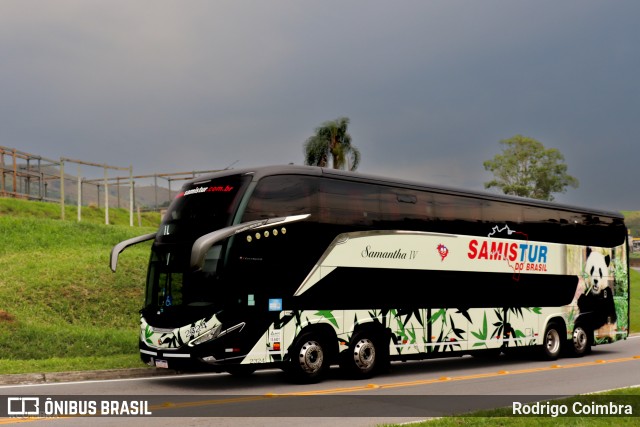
(162, 364)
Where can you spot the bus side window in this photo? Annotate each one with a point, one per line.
(348, 203)
(499, 213)
(280, 195)
(397, 206)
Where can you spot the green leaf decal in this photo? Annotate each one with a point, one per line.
(438, 313)
(412, 335)
(482, 334)
(147, 335)
(328, 314)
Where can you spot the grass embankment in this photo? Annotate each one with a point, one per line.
(61, 307)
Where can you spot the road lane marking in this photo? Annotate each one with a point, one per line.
(359, 388)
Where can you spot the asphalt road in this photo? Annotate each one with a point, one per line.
(410, 391)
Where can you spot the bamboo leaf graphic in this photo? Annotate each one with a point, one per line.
(328, 314)
(465, 313)
(147, 333)
(455, 330)
(482, 334)
(438, 313)
(412, 335)
(478, 335)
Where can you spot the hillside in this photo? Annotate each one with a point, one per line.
(58, 297)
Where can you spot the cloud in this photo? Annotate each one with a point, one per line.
(430, 87)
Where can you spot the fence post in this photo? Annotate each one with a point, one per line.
(131, 195)
(106, 196)
(2, 164)
(79, 195)
(62, 188)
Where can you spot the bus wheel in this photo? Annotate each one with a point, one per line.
(309, 359)
(552, 343)
(364, 356)
(580, 342)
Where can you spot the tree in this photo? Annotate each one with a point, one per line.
(526, 168)
(332, 140)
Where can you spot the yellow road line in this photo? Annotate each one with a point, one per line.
(367, 387)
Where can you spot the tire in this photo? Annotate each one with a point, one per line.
(580, 343)
(552, 344)
(365, 356)
(309, 359)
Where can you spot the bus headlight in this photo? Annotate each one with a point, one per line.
(207, 336)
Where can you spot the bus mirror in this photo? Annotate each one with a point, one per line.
(204, 243)
(113, 261)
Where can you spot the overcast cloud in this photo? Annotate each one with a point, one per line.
(430, 86)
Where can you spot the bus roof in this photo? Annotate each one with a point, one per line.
(263, 171)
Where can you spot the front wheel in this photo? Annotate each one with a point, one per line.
(309, 359)
(552, 344)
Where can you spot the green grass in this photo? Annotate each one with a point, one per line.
(66, 364)
(33, 209)
(504, 416)
(59, 301)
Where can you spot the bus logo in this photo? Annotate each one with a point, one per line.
(443, 251)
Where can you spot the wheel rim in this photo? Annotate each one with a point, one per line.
(364, 354)
(311, 357)
(580, 340)
(553, 342)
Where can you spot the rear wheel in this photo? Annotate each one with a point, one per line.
(552, 344)
(580, 344)
(366, 355)
(309, 359)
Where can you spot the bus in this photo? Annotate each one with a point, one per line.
(303, 268)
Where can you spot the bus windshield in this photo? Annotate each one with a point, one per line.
(201, 208)
(172, 287)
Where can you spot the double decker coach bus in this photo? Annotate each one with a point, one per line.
(304, 267)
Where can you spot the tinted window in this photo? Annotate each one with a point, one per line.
(348, 203)
(202, 208)
(281, 195)
(455, 208)
(401, 205)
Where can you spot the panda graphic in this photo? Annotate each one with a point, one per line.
(597, 309)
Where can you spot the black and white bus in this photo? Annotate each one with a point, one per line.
(303, 267)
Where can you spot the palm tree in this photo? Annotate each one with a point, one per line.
(332, 139)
